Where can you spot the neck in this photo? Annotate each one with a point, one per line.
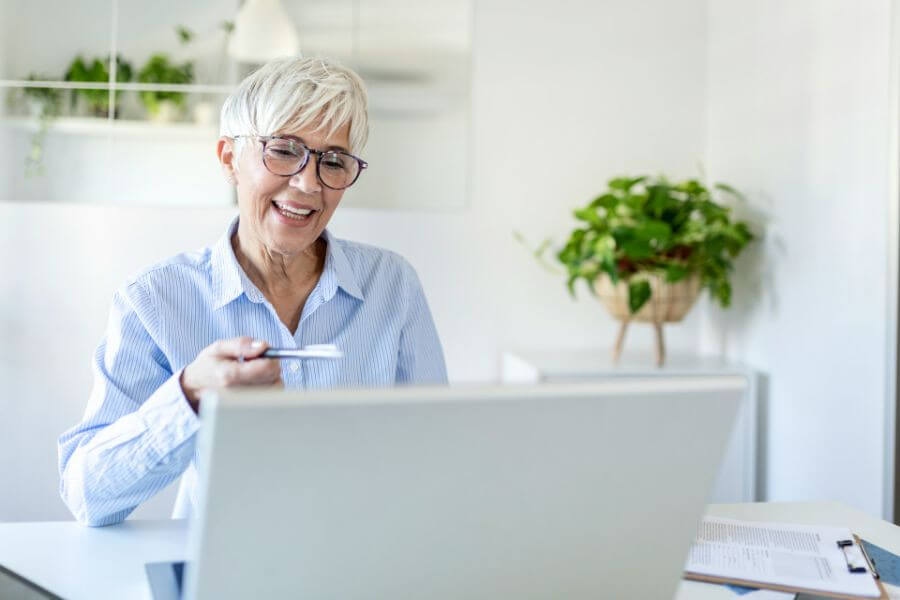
(278, 275)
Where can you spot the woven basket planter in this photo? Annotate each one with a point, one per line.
(668, 303)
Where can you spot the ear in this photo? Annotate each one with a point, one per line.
(227, 158)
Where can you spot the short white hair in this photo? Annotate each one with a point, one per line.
(289, 94)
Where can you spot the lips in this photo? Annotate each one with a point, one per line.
(294, 207)
(293, 211)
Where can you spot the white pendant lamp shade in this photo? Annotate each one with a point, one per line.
(263, 31)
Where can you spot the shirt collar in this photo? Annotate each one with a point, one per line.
(337, 272)
(229, 280)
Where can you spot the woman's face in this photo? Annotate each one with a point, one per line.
(272, 206)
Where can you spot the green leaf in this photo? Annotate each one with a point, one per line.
(610, 268)
(729, 190)
(587, 214)
(722, 293)
(605, 246)
(638, 294)
(571, 284)
(654, 230)
(624, 183)
(184, 34)
(675, 273)
(693, 187)
(638, 249)
(607, 201)
(589, 270)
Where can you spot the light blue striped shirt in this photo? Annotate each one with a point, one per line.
(138, 432)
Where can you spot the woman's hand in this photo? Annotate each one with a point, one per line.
(220, 365)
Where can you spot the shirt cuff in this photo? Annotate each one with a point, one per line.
(169, 416)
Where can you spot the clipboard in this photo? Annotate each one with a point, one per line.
(797, 590)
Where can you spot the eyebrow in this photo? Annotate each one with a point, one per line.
(302, 141)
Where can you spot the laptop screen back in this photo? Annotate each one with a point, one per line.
(575, 491)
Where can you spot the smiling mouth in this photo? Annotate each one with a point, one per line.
(297, 214)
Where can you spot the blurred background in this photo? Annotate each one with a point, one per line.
(490, 118)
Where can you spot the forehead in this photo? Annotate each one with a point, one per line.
(316, 136)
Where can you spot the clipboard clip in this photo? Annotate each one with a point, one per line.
(858, 560)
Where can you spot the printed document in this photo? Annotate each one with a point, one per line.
(796, 556)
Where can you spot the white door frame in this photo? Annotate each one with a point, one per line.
(893, 264)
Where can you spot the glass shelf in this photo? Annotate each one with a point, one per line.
(192, 88)
(100, 126)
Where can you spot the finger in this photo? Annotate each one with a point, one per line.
(228, 373)
(259, 371)
(238, 347)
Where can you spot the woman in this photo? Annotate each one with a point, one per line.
(289, 135)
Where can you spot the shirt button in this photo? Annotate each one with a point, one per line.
(295, 367)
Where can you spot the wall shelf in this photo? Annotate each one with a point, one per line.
(104, 127)
(193, 88)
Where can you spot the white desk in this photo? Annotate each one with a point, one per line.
(76, 562)
(737, 479)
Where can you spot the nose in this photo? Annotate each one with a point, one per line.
(306, 180)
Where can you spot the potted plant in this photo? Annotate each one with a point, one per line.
(647, 246)
(96, 71)
(42, 101)
(44, 104)
(165, 106)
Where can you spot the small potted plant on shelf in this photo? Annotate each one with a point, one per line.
(647, 246)
(96, 71)
(166, 106)
(44, 104)
(42, 101)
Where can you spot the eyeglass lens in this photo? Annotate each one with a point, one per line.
(337, 169)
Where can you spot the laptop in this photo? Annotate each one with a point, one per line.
(587, 490)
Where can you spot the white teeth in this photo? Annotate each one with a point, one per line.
(296, 211)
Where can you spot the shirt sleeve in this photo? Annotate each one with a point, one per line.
(421, 359)
(138, 431)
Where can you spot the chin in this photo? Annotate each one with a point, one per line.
(291, 245)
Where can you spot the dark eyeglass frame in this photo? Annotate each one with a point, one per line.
(265, 139)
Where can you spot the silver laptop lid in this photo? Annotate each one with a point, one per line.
(557, 491)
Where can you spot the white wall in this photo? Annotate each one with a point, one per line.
(565, 95)
(60, 264)
(798, 117)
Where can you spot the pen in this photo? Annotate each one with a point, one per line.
(869, 560)
(327, 351)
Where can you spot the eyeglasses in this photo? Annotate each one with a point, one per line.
(287, 156)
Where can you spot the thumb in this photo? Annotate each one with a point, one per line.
(244, 346)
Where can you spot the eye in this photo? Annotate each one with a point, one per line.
(334, 161)
(281, 152)
(284, 150)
